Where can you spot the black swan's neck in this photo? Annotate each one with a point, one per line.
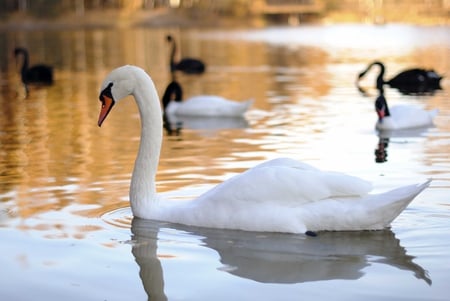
(172, 53)
(380, 78)
(173, 92)
(381, 107)
(25, 60)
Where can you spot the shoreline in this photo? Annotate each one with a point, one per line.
(166, 17)
(162, 17)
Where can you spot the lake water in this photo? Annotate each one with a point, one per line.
(67, 233)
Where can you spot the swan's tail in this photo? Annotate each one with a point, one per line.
(374, 212)
(433, 113)
(246, 105)
(390, 204)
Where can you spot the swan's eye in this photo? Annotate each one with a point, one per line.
(102, 100)
(106, 92)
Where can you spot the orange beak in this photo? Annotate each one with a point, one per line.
(107, 104)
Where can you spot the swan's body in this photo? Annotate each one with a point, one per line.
(280, 195)
(201, 105)
(415, 80)
(401, 117)
(37, 74)
(186, 65)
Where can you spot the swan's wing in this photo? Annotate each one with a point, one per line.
(286, 183)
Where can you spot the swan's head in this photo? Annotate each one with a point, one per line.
(381, 107)
(117, 85)
(19, 50)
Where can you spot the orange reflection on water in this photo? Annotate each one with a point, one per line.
(54, 157)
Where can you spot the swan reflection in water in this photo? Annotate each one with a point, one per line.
(385, 137)
(381, 152)
(173, 125)
(276, 257)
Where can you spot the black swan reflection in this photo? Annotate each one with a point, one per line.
(381, 152)
(272, 257)
(186, 65)
(411, 81)
(37, 74)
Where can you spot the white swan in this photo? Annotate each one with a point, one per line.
(201, 105)
(401, 117)
(281, 195)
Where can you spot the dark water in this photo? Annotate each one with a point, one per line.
(66, 231)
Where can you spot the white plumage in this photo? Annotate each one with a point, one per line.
(201, 105)
(280, 195)
(208, 105)
(401, 117)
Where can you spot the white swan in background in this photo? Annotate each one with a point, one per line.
(280, 195)
(201, 105)
(401, 117)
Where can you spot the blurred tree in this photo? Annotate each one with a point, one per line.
(44, 9)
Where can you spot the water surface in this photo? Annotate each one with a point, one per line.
(65, 226)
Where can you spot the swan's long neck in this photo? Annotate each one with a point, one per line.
(380, 78)
(172, 56)
(142, 188)
(172, 92)
(25, 62)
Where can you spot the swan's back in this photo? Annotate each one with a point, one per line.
(414, 77)
(407, 117)
(190, 66)
(41, 74)
(210, 105)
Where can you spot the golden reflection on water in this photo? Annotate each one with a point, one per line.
(54, 157)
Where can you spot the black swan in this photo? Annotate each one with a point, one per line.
(37, 74)
(173, 92)
(409, 81)
(186, 65)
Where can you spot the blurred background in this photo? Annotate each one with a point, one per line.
(213, 12)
